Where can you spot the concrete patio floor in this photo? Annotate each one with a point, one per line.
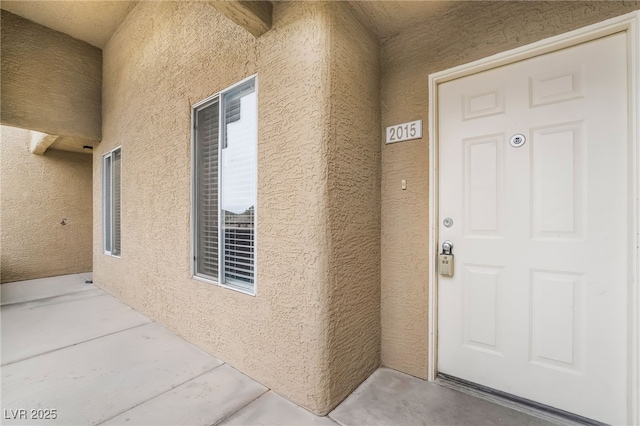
(70, 347)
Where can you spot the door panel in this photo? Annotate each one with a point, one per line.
(558, 182)
(537, 306)
(482, 184)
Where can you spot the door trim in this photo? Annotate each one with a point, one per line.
(628, 23)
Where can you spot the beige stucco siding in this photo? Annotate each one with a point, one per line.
(464, 33)
(353, 209)
(38, 192)
(164, 58)
(51, 82)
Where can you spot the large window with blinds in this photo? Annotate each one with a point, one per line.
(224, 189)
(111, 202)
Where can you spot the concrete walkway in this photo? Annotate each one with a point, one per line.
(78, 356)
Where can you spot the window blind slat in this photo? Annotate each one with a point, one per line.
(207, 134)
(111, 202)
(116, 202)
(106, 202)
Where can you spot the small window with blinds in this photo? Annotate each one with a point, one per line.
(111, 195)
(224, 198)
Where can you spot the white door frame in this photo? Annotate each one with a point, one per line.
(629, 23)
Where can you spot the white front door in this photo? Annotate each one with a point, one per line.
(537, 306)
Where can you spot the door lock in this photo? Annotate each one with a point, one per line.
(445, 259)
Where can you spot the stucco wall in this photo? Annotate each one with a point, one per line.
(38, 192)
(464, 33)
(167, 56)
(353, 210)
(51, 82)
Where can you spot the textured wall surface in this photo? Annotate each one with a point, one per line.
(51, 82)
(165, 57)
(464, 33)
(38, 192)
(353, 194)
(91, 21)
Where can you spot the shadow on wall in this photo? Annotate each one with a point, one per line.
(45, 210)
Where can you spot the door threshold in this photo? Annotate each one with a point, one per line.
(542, 411)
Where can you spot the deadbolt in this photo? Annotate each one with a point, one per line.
(517, 140)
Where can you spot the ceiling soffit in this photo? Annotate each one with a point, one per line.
(91, 21)
(388, 18)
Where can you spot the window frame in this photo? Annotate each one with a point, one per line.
(111, 216)
(219, 97)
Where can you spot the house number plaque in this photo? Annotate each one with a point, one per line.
(404, 132)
